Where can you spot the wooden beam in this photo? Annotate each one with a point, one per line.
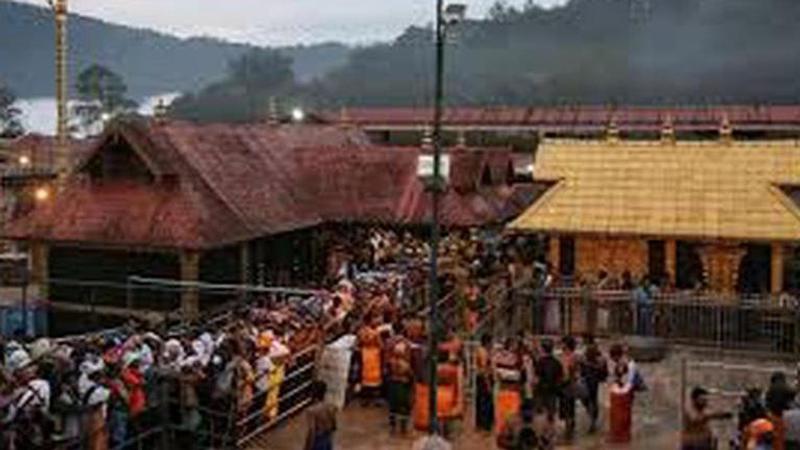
(554, 254)
(190, 296)
(40, 267)
(245, 263)
(776, 267)
(671, 260)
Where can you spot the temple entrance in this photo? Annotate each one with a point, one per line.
(567, 256)
(755, 272)
(689, 272)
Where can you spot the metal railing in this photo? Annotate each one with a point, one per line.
(747, 323)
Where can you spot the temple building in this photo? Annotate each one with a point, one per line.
(717, 214)
(246, 203)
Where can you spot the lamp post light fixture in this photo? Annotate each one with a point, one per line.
(41, 194)
(445, 17)
(298, 115)
(25, 161)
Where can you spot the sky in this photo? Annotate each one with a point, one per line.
(276, 22)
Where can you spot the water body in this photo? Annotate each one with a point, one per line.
(39, 114)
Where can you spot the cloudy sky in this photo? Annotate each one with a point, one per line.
(275, 22)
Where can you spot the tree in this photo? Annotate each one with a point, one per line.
(261, 69)
(102, 95)
(10, 125)
(260, 72)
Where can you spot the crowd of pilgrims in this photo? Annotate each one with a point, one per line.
(523, 386)
(106, 390)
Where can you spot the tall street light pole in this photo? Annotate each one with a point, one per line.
(433, 291)
(444, 18)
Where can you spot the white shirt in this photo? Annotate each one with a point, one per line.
(36, 394)
(263, 368)
(99, 396)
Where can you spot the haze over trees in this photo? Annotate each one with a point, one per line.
(153, 63)
(663, 52)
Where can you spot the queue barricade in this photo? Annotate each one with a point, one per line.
(295, 394)
(765, 324)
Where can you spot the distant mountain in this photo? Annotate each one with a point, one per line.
(151, 62)
(665, 52)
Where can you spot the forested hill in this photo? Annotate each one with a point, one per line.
(150, 62)
(589, 51)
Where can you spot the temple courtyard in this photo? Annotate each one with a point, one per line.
(656, 413)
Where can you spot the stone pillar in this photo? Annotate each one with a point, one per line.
(671, 260)
(190, 271)
(776, 267)
(40, 268)
(554, 254)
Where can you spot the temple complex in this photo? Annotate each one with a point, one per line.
(716, 214)
(247, 204)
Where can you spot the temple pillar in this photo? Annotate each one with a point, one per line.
(670, 260)
(190, 272)
(776, 267)
(40, 268)
(721, 266)
(245, 267)
(554, 255)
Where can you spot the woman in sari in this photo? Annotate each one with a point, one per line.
(621, 405)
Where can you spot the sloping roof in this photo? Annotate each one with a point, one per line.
(40, 148)
(704, 190)
(126, 214)
(219, 184)
(580, 118)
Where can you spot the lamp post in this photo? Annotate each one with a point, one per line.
(445, 17)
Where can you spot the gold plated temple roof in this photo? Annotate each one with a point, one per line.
(705, 190)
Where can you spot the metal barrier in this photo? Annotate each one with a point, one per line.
(212, 423)
(764, 325)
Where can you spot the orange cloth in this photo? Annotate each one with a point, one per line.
(446, 404)
(371, 366)
(779, 431)
(97, 430)
(420, 407)
(619, 417)
(508, 405)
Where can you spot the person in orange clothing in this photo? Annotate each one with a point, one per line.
(450, 405)
(508, 373)
(371, 346)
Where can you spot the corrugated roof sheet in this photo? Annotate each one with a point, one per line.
(692, 189)
(582, 118)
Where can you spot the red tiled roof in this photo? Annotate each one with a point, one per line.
(124, 214)
(220, 184)
(39, 148)
(580, 118)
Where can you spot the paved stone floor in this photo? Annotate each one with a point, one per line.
(655, 415)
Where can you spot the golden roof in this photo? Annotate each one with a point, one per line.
(706, 190)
